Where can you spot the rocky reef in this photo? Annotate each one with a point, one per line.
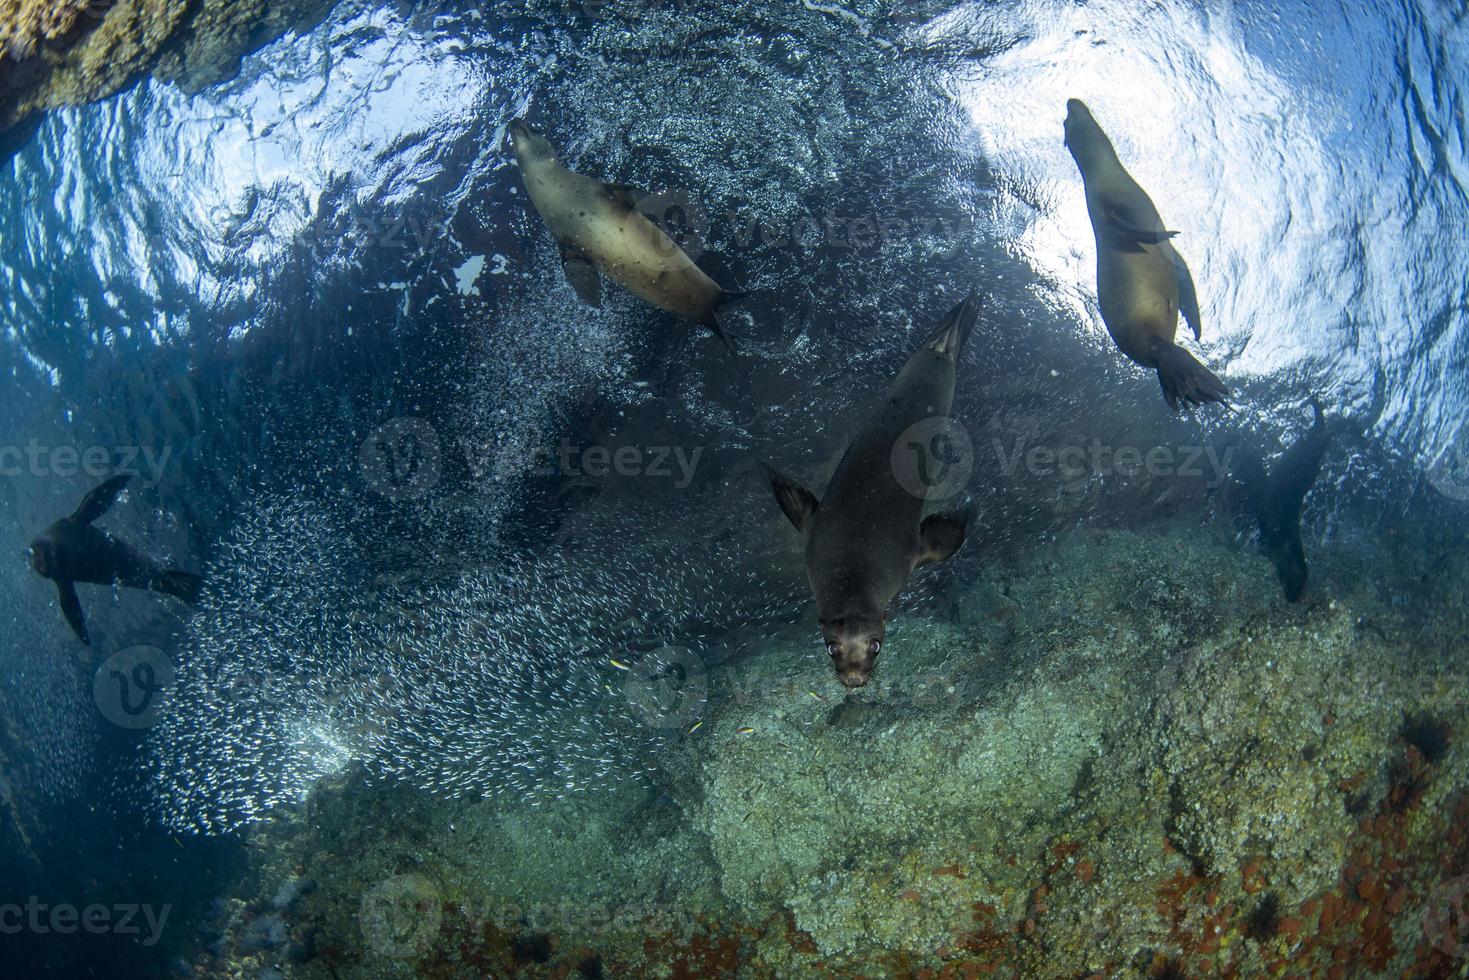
(1118, 753)
(72, 52)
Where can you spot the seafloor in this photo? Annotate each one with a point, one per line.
(1121, 754)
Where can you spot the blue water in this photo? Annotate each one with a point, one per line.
(247, 282)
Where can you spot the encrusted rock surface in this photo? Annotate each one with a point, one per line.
(77, 51)
(1124, 755)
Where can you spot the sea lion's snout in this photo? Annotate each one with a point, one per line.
(515, 133)
(526, 143)
(38, 554)
(1290, 566)
(1079, 121)
(853, 647)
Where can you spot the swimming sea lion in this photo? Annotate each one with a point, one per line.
(598, 226)
(1142, 281)
(72, 550)
(868, 534)
(1276, 499)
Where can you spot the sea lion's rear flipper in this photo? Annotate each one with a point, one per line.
(1318, 413)
(1185, 379)
(183, 585)
(949, 338)
(712, 320)
(583, 276)
(100, 499)
(939, 536)
(797, 502)
(71, 608)
(1126, 226)
(1188, 298)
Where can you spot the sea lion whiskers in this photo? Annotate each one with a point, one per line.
(853, 643)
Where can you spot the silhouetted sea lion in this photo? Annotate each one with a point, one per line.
(72, 550)
(598, 226)
(1142, 281)
(868, 534)
(1276, 499)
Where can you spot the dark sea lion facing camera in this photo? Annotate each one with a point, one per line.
(599, 226)
(865, 537)
(72, 550)
(1142, 281)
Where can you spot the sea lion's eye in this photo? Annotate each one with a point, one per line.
(833, 649)
(875, 647)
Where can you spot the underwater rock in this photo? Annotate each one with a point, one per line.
(209, 47)
(290, 891)
(78, 51)
(264, 933)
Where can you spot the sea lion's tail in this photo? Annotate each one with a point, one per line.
(955, 328)
(1340, 425)
(184, 585)
(1185, 379)
(712, 321)
(1318, 412)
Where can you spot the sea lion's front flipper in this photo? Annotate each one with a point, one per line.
(71, 608)
(174, 582)
(797, 502)
(583, 276)
(939, 536)
(1128, 228)
(100, 499)
(1188, 299)
(626, 193)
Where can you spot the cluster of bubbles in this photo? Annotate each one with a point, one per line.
(495, 683)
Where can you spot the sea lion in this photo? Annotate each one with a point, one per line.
(865, 537)
(1142, 281)
(72, 550)
(1276, 499)
(599, 226)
